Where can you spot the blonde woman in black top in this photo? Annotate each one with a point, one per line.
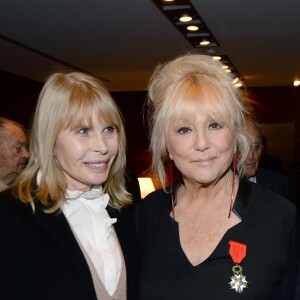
(212, 235)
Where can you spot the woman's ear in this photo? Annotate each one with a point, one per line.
(170, 155)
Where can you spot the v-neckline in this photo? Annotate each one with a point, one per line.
(239, 208)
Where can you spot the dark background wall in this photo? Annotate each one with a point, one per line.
(18, 97)
(271, 105)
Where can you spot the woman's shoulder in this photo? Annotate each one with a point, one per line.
(156, 199)
(153, 206)
(160, 199)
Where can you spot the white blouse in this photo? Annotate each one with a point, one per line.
(87, 215)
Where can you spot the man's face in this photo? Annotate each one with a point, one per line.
(13, 153)
(252, 161)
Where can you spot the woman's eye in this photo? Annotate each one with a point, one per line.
(84, 130)
(215, 125)
(110, 129)
(183, 130)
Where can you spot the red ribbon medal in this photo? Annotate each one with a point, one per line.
(238, 252)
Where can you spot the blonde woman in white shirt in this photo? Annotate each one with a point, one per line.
(66, 225)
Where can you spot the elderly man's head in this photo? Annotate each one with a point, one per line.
(13, 151)
(255, 142)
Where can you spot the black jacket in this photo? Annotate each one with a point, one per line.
(273, 181)
(40, 257)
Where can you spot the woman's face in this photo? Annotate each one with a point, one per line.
(86, 154)
(202, 148)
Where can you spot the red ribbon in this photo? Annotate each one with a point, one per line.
(237, 251)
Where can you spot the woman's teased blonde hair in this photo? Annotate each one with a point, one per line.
(178, 89)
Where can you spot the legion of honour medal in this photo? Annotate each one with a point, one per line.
(237, 252)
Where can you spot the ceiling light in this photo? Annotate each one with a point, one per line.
(192, 28)
(224, 67)
(296, 82)
(204, 43)
(185, 18)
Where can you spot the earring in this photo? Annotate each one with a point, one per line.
(233, 184)
(172, 194)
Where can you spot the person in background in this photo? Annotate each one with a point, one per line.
(212, 235)
(272, 180)
(13, 151)
(67, 228)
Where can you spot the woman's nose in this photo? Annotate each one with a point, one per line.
(100, 144)
(201, 141)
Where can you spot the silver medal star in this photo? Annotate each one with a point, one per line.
(238, 283)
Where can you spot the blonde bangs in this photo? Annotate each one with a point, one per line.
(192, 97)
(68, 101)
(84, 103)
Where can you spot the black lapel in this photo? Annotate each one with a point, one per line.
(58, 227)
(242, 198)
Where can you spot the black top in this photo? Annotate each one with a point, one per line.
(40, 258)
(268, 228)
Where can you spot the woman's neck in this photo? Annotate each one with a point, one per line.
(207, 195)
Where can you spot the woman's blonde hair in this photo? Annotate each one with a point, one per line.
(179, 88)
(69, 100)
